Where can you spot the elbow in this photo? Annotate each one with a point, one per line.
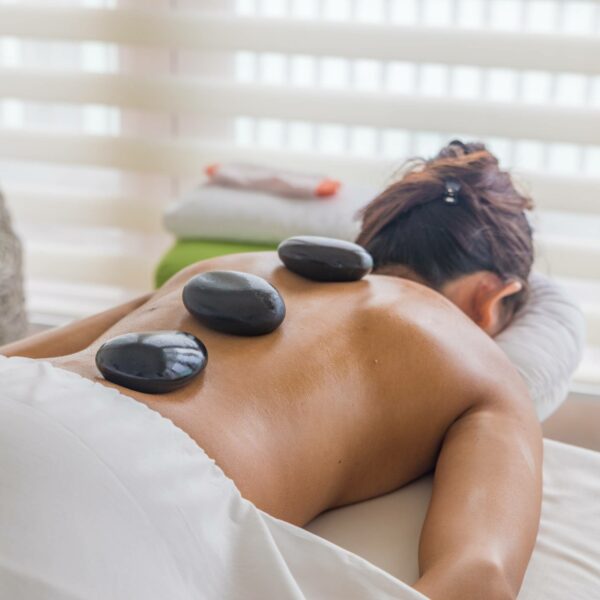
(469, 579)
(496, 584)
(491, 580)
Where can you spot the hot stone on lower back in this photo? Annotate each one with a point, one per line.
(155, 362)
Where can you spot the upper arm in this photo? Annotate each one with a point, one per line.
(73, 337)
(485, 507)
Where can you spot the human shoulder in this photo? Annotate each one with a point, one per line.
(425, 334)
(401, 304)
(263, 264)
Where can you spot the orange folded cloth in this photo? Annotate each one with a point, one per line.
(265, 179)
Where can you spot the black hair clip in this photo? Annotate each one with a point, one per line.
(452, 188)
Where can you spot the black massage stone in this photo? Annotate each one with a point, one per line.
(325, 259)
(156, 362)
(234, 302)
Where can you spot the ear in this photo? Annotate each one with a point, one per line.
(486, 301)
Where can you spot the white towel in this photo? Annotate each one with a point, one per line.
(212, 212)
(101, 497)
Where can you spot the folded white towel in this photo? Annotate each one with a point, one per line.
(101, 497)
(213, 212)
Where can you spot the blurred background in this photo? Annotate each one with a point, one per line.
(111, 109)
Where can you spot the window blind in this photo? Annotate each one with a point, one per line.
(111, 108)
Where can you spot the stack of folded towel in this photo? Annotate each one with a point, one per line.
(245, 208)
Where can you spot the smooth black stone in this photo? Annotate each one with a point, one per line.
(234, 302)
(156, 362)
(325, 259)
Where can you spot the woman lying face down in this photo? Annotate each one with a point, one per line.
(457, 224)
(368, 385)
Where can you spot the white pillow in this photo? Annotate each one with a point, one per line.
(545, 342)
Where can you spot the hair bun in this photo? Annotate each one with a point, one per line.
(457, 148)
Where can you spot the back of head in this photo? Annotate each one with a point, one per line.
(455, 214)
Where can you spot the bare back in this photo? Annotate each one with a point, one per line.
(349, 399)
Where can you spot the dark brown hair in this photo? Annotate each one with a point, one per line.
(452, 215)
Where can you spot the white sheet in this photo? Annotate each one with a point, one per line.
(565, 563)
(101, 497)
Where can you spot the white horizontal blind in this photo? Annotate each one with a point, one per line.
(110, 108)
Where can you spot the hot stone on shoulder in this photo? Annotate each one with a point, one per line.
(234, 302)
(325, 259)
(155, 362)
